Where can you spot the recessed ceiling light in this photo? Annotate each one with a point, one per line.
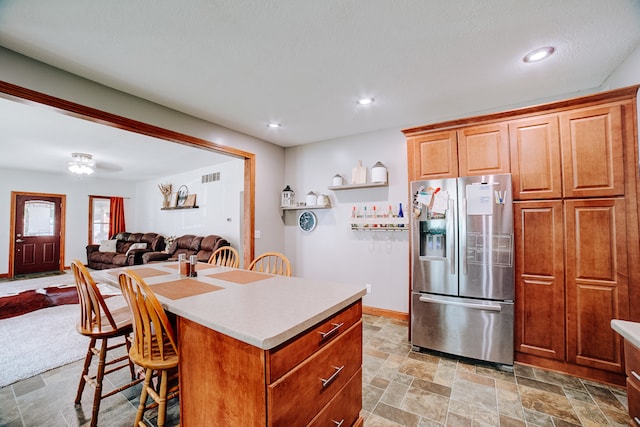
(365, 101)
(273, 125)
(539, 54)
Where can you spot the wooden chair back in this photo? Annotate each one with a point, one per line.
(93, 309)
(153, 335)
(225, 256)
(271, 262)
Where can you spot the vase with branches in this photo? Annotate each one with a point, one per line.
(165, 189)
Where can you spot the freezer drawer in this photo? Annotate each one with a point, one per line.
(477, 329)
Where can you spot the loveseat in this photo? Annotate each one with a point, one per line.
(189, 244)
(123, 249)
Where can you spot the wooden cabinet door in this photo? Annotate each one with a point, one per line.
(483, 150)
(535, 158)
(596, 281)
(433, 155)
(540, 313)
(592, 149)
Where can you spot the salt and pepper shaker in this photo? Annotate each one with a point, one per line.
(193, 260)
(182, 265)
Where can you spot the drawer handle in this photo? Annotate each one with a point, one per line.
(637, 421)
(635, 375)
(328, 381)
(325, 335)
(339, 423)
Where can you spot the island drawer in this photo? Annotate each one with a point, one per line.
(285, 357)
(344, 408)
(299, 395)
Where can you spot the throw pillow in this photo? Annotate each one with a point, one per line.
(108, 246)
(136, 246)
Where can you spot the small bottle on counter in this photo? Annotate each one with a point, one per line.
(193, 261)
(183, 265)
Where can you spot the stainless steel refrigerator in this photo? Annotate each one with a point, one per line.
(462, 267)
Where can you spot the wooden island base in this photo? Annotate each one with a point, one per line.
(313, 379)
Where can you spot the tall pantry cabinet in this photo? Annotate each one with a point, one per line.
(574, 167)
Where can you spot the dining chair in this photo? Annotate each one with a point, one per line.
(154, 346)
(100, 324)
(225, 256)
(271, 262)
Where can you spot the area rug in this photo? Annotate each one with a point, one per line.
(42, 340)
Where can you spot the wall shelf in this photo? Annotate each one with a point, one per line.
(356, 186)
(380, 224)
(298, 208)
(179, 207)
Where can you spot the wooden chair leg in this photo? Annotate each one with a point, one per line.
(143, 396)
(132, 367)
(162, 401)
(97, 394)
(85, 370)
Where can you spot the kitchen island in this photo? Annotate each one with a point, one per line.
(261, 350)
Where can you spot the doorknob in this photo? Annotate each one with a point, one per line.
(19, 240)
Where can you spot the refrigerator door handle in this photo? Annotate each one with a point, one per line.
(463, 238)
(452, 244)
(482, 306)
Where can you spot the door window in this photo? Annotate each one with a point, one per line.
(39, 218)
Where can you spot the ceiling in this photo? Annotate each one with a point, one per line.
(242, 64)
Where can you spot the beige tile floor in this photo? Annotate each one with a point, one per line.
(400, 388)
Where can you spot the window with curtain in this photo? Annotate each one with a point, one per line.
(106, 217)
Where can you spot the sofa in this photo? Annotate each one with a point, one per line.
(123, 249)
(188, 244)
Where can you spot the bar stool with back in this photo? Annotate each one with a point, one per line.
(100, 324)
(225, 256)
(272, 263)
(154, 344)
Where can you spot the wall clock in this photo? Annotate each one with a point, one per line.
(307, 221)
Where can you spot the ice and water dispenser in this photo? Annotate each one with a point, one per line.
(433, 235)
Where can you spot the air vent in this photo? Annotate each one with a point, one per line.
(212, 177)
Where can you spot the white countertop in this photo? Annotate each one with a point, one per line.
(264, 313)
(630, 331)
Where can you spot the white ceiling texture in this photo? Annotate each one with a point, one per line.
(304, 63)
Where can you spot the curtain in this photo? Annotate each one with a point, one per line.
(116, 220)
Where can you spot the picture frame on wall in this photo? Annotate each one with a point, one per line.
(190, 201)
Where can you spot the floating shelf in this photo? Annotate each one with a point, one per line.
(354, 186)
(380, 224)
(179, 207)
(297, 208)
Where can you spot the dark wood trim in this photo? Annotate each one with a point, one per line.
(28, 96)
(583, 101)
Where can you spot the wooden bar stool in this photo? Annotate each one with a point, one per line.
(100, 324)
(225, 256)
(271, 262)
(154, 345)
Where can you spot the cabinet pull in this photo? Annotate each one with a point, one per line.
(636, 420)
(339, 423)
(328, 381)
(635, 375)
(325, 335)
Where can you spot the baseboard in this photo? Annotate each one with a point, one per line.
(398, 315)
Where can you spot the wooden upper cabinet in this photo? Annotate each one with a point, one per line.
(535, 158)
(597, 285)
(483, 149)
(592, 151)
(433, 155)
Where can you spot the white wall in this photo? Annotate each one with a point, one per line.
(219, 204)
(25, 72)
(77, 209)
(332, 251)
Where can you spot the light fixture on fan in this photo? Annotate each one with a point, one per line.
(82, 164)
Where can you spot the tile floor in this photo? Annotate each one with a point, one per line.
(400, 388)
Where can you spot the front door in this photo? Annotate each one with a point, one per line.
(37, 233)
